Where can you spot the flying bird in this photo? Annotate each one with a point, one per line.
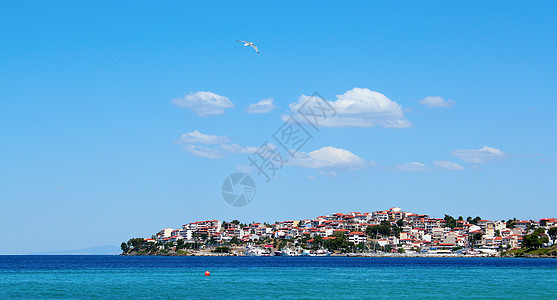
(249, 44)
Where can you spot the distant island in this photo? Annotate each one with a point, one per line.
(98, 250)
(390, 232)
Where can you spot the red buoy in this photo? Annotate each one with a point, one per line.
(207, 273)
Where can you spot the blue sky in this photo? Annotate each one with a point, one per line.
(95, 97)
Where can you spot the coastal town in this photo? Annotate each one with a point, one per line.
(390, 232)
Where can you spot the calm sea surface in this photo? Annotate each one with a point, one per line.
(128, 277)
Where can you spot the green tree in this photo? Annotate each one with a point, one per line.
(222, 249)
(150, 247)
(450, 221)
(124, 247)
(371, 231)
(530, 241)
(383, 229)
(180, 244)
(339, 235)
(317, 242)
(475, 237)
(510, 223)
(135, 242)
(474, 220)
(338, 243)
(539, 231)
(305, 238)
(552, 232)
(535, 240)
(395, 230)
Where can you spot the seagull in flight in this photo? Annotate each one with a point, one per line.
(249, 44)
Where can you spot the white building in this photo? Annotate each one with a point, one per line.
(357, 237)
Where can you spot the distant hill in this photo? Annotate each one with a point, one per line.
(98, 250)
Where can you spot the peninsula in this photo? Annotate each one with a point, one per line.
(390, 232)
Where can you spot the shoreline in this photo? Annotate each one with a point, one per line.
(361, 255)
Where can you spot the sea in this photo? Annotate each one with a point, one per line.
(183, 277)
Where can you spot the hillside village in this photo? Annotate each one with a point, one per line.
(379, 232)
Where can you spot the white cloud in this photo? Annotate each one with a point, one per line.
(448, 165)
(196, 137)
(358, 108)
(261, 107)
(203, 151)
(436, 101)
(195, 143)
(204, 103)
(479, 156)
(235, 148)
(411, 167)
(328, 173)
(328, 158)
(245, 169)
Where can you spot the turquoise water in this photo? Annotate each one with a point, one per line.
(70, 277)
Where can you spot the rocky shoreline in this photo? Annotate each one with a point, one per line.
(207, 253)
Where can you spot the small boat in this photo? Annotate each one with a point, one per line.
(255, 251)
(320, 252)
(286, 252)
